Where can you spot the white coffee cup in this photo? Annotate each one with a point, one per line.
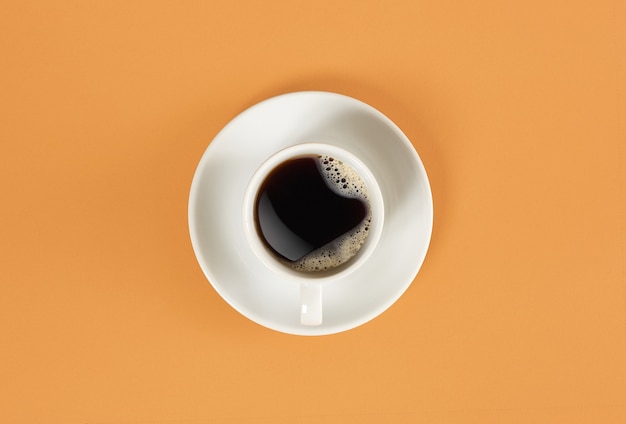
(312, 283)
(255, 285)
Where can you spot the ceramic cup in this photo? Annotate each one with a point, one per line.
(311, 283)
(227, 246)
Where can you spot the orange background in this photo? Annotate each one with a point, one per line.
(517, 110)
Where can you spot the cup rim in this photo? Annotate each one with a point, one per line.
(306, 149)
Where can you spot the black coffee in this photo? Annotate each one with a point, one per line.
(313, 212)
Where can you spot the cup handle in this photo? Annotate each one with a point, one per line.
(310, 304)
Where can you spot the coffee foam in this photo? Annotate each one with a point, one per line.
(344, 180)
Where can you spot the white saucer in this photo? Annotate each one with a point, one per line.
(215, 210)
